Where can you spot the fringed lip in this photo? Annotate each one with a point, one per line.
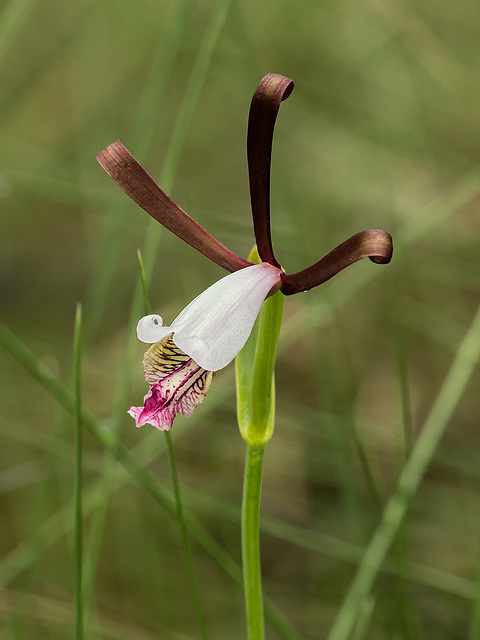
(177, 385)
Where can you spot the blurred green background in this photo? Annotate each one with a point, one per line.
(382, 131)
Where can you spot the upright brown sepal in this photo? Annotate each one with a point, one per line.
(272, 89)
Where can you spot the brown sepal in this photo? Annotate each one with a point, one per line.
(130, 176)
(374, 244)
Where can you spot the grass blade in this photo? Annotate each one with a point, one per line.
(158, 492)
(410, 478)
(78, 500)
(176, 486)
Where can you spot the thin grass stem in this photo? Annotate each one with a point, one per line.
(410, 478)
(184, 534)
(474, 627)
(176, 485)
(78, 499)
(157, 491)
(153, 234)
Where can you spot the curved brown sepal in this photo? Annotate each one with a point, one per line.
(272, 89)
(374, 244)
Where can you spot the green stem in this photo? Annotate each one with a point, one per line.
(184, 534)
(78, 514)
(250, 541)
(254, 369)
(176, 485)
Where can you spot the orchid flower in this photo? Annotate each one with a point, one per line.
(204, 337)
(211, 330)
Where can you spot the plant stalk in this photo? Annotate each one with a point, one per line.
(252, 576)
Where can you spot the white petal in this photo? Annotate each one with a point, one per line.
(150, 329)
(214, 327)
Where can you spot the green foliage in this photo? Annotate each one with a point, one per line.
(381, 131)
